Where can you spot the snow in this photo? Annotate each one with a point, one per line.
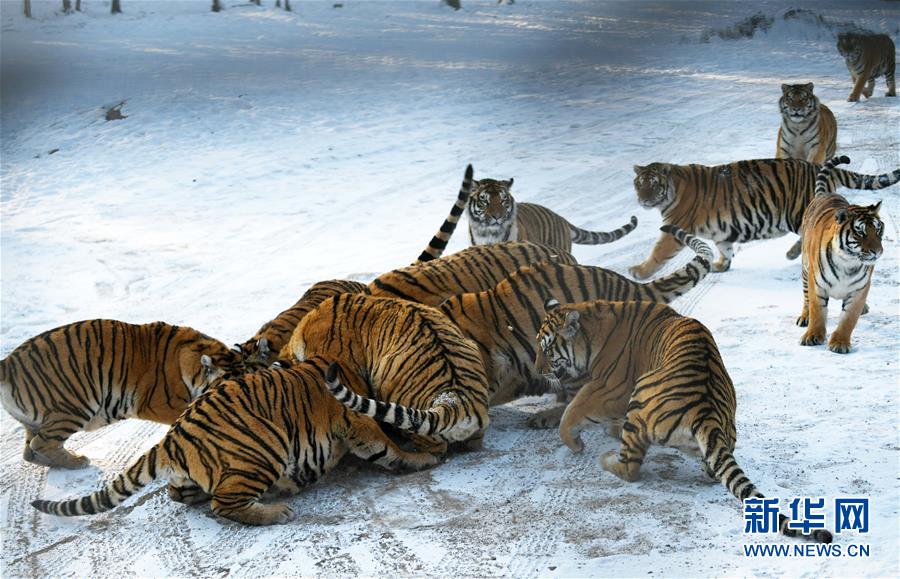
(264, 150)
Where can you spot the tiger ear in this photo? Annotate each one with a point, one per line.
(808, 86)
(263, 346)
(509, 183)
(785, 88)
(841, 215)
(551, 304)
(638, 169)
(874, 208)
(571, 325)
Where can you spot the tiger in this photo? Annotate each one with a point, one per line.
(265, 347)
(734, 203)
(269, 432)
(438, 243)
(867, 57)
(495, 217)
(409, 354)
(85, 375)
(841, 243)
(475, 268)
(503, 320)
(661, 372)
(808, 128)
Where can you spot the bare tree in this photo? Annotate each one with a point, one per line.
(216, 6)
(257, 2)
(287, 5)
(77, 5)
(116, 7)
(67, 6)
(27, 7)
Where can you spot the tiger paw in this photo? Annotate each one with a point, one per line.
(839, 345)
(548, 418)
(639, 272)
(61, 459)
(812, 339)
(280, 514)
(610, 461)
(803, 320)
(852, 99)
(614, 429)
(865, 310)
(867, 93)
(721, 266)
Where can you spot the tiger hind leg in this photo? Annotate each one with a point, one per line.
(187, 492)
(626, 463)
(47, 443)
(366, 440)
(892, 87)
(27, 453)
(726, 250)
(236, 497)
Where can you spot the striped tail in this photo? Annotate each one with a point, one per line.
(683, 280)
(823, 178)
(852, 180)
(439, 242)
(584, 237)
(721, 464)
(138, 475)
(423, 422)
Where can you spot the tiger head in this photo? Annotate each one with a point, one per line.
(654, 185)
(256, 353)
(557, 342)
(797, 101)
(849, 45)
(207, 362)
(491, 204)
(859, 235)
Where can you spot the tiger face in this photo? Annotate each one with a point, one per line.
(556, 353)
(849, 45)
(797, 101)
(653, 184)
(491, 203)
(861, 232)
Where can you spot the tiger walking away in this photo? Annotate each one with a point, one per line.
(274, 431)
(868, 56)
(661, 372)
(734, 203)
(841, 243)
(495, 217)
(85, 375)
(503, 320)
(413, 359)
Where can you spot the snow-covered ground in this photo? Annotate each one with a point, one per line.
(264, 150)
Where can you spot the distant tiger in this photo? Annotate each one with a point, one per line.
(841, 243)
(503, 320)
(410, 355)
(277, 430)
(734, 203)
(473, 269)
(89, 374)
(867, 57)
(495, 217)
(266, 345)
(659, 370)
(808, 128)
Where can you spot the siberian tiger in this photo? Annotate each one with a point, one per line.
(278, 429)
(438, 243)
(841, 243)
(867, 57)
(659, 370)
(266, 345)
(808, 128)
(503, 320)
(89, 374)
(733, 203)
(473, 269)
(409, 354)
(495, 217)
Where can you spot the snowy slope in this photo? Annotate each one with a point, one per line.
(263, 151)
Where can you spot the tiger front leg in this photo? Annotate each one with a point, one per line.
(726, 253)
(592, 404)
(665, 249)
(869, 89)
(366, 440)
(839, 342)
(858, 83)
(891, 85)
(817, 305)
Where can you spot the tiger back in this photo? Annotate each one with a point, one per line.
(411, 356)
(265, 346)
(868, 56)
(841, 243)
(734, 203)
(475, 268)
(280, 430)
(503, 320)
(808, 128)
(496, 217)
(659, 371)
(88, 374)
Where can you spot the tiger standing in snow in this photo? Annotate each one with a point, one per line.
(841, 243)
(808, 128)
(867, 57)
(495, 217)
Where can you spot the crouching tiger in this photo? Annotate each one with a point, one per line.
(659, 370)
(410, 355)
(89, 374)
(841, 243)
(503, 320)
(276, 430)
